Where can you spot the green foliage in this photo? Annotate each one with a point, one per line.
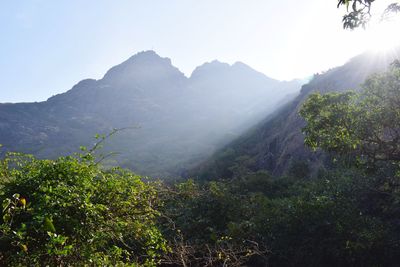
(208, 225)
(330, 121)
(71, 212)
(337, 219)
(365, 124)
(299, 169)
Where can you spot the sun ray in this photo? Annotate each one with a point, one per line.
(384, 35)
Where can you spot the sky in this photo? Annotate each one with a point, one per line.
(48, 46)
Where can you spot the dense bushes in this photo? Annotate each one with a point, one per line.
(336, 219)
(70, 212)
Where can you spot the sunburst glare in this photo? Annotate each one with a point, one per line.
(383, 36)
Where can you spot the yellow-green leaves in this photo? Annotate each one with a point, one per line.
(48, 225)
(330, 121)
(22, 201)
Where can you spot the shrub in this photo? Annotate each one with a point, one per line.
(69, 211)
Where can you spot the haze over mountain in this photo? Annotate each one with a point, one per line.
(276, 144)
(177, 120)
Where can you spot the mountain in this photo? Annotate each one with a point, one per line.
(176, 121)
(276, 144)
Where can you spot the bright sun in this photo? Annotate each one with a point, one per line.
(383, 36)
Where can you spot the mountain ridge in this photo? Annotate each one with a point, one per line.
(181, 119)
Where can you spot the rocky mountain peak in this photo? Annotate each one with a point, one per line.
(146, 65)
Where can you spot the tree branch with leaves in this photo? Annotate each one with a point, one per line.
(359, 12)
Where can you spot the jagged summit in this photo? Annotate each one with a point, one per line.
(231, 78)
(207, 68)
(235, 71)
(148, 56)
(143, 65)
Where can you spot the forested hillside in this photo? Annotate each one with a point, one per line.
(171, 121)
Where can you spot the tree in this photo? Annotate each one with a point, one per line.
(359, 12)
(365, 124)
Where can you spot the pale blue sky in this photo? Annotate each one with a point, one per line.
(47, 46)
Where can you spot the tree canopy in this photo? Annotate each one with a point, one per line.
(366, 123)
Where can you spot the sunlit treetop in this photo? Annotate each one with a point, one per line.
(364, 124)
(359, 12)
